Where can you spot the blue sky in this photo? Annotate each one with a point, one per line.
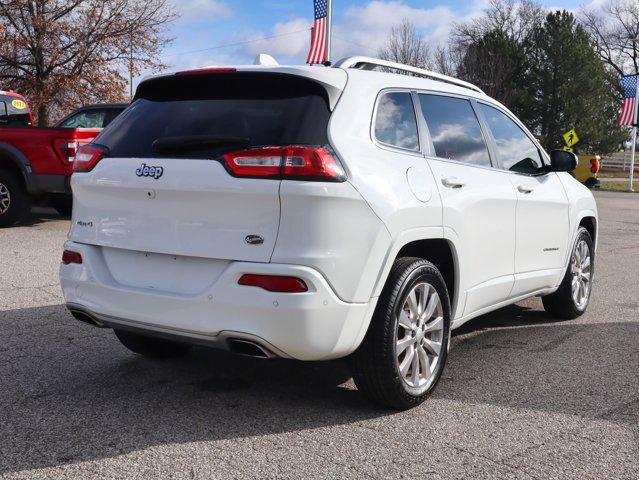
(359, 27)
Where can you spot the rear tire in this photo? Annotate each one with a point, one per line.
(14, 201)
(404, 352)
(150, 346)
(63, 204)
(565, 303)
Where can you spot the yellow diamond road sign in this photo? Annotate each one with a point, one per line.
(571, 137)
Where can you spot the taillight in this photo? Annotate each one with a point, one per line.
(66, 149)
(69, 256)
(594, 165)
(274, 283)
(290, 163)
(87, 157)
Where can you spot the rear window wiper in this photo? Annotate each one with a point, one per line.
(176, 144)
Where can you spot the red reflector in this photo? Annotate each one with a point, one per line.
(87, 157)
(594, 165)
(274, 283)
(291, 163)
(69, 256)
(207, 70)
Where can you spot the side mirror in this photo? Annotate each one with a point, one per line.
(562, 161)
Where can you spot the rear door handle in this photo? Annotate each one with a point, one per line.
(452, 182)
(525, 190)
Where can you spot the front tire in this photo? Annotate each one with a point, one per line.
(573, 296)
(14, 201)
(404, 352)
(150, 346)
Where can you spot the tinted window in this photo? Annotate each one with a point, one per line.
(515, 150)
(454, 129)
(261, 109)
(396, 123)
(85, 119)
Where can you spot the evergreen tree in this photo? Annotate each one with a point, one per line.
(569, 87)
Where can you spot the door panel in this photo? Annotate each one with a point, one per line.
(542, 231)
(479, 205)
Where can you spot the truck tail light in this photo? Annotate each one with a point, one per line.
(87, 157)
(66, 149)
(69, 256)
(274, 283)
(289, 163)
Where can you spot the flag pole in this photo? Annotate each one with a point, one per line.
(329, 33)
(634, 138)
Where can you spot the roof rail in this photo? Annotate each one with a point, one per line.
(367, 63)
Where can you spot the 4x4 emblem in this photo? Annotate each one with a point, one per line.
(148, 171)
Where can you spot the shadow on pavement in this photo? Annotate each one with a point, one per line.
(72, 393)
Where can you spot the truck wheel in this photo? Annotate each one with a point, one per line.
(14, 201)
(404, 352)
(572, 298)
(150, 346)
(63, 204)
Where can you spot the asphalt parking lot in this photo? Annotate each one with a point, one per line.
(523, 396)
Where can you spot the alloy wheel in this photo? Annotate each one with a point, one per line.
(419, 336)
(580, 267)
(5, 198)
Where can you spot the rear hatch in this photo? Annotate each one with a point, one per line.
(162, 186)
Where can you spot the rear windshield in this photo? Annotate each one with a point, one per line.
(257, 109)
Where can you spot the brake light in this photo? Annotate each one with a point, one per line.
(87, 157)
(289, 163)
(274, 283)
(69, 256)
(207, 70)
(65, 149)
(594, 165)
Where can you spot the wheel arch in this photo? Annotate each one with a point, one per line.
(429, 244)
(13, 159)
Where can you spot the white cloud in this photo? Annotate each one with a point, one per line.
(291, 39)
(203, 9)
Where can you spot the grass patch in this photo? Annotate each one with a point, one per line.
(618, 186)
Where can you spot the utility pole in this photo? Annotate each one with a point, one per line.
(131, 65)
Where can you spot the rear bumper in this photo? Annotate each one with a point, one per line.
(315, 325)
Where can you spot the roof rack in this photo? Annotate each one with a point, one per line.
(368, 63)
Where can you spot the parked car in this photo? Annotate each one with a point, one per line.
(92, 116)
(36, 163)
(318, 213)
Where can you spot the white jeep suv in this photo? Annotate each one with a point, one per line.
(316, 213)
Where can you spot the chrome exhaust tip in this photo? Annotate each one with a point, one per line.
(248, 348)
(84, 317)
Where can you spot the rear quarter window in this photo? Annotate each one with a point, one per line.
(395, 121)
(265, 109)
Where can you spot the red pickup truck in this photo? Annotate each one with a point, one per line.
(35, 163)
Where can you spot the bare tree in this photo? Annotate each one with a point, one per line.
(61, 53)
(615, 32)
(405, 44)
(515, 18)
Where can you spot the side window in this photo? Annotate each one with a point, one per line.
(85, 119)
(396, 123)
(454, 129)
(515, 150)
(3, 113)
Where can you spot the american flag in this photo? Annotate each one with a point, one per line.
(318, 51)
(629, 83)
